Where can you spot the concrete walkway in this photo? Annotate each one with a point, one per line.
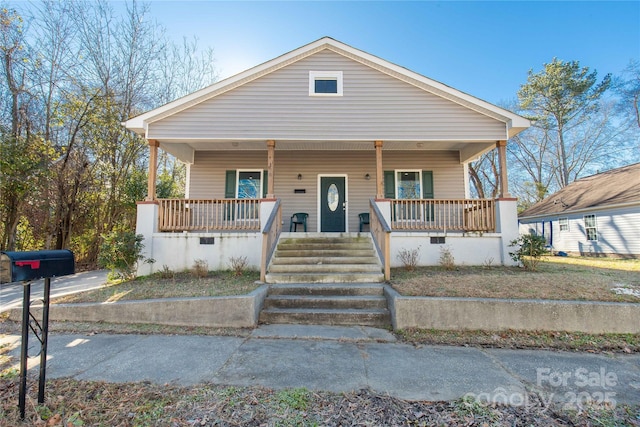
(11, 293)
(343, 359)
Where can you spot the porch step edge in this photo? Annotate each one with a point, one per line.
(326, 301)
(372, 317)
(327, 289)
(324, 278)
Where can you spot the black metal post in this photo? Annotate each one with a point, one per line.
(24, 348)
(44, 334)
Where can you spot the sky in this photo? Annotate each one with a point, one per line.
(482, 48)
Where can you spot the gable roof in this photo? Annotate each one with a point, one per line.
(615, 187)
(514, 122)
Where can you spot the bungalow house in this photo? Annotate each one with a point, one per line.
(597, 215)
(362, 147)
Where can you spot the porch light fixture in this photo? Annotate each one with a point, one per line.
(367, 177)
(299, 176)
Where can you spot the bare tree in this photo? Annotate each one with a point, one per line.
(484, 174)
(628, 88)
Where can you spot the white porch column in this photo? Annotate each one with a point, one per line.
(507, 226)
(266, 207)
(146, 224)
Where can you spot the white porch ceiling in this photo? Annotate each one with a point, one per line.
(184, 150)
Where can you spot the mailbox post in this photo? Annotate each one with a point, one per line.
(27, 267)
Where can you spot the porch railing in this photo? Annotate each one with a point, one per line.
(381, 233)
(444, 214)
(209, 214)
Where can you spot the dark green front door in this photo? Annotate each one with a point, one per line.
(332, 204)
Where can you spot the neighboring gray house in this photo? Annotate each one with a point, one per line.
(338, 134)
(596, 215)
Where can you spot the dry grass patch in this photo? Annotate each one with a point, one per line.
(88, 403)
(180, 285)
(550, 340)
(560, 278)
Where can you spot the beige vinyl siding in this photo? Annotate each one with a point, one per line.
(374, 106)
(207, 176)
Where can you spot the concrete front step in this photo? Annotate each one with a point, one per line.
(325, 268)
(303, 245)
(325, 258)
(319, 260)
(333, 302)
(324, 238)
(312, 278)
(324, 252)
(310, 316)
(360, 289)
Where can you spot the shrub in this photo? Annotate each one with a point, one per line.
(166, 272)
(530, 247)
(200, 268)
(447, 261)
(120, 252)
(238, 265)
(409, 258)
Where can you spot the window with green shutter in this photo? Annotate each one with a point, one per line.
(245, 184)
(410, 184)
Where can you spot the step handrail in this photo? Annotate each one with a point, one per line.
(381, 234)
(270, 236)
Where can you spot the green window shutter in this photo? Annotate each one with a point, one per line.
(230, 185)
(427, 184)
(265, 183)
(389, 185)
(427, 193)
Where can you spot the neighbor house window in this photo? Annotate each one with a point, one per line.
(408, 185)
(591, 227)
(564, 224)
(325, 83)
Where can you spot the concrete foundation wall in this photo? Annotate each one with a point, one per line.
(501, 314)
(233, 311)
(467, 249)
(178, 251)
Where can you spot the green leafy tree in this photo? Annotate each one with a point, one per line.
(22, 164)
(558, 98)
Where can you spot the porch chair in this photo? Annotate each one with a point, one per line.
(298, 218)
(364, 219)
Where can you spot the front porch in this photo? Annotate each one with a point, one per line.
(179, 231)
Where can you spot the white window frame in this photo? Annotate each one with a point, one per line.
(325, 75)
(238, 171)
(396, 180)
(594, 227)
(566, 224)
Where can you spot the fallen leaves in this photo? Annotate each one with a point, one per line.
(77, 403)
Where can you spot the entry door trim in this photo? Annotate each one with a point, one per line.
(346, 199)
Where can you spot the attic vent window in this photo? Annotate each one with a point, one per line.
(325, 83)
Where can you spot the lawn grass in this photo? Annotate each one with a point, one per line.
(174, 285)
(548, 340)
(559, 278)
(69, 402)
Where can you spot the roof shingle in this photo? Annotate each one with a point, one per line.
(614, 187)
